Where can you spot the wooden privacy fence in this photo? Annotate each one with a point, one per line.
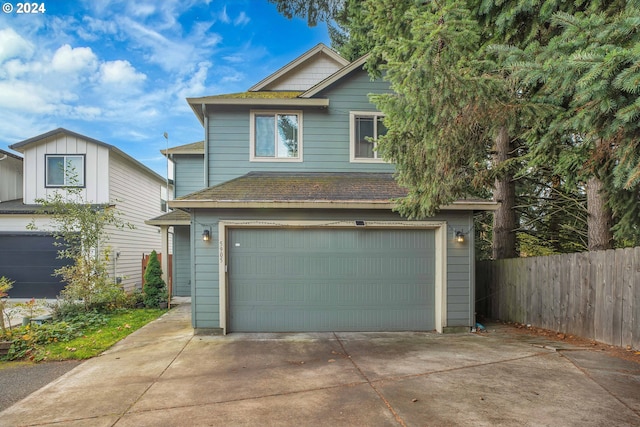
(594, 295)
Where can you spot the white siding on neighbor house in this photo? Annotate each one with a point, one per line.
(136, 195)
(10, 178)
(19, 222)
(96, 167)
(306, 75)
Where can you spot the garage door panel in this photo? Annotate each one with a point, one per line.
(324, 280)
(30, 260)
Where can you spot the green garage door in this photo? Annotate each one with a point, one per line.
(361, 279)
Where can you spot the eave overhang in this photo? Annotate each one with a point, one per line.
(197, 104)
(320, 204)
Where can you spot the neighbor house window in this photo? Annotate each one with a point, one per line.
(276, 135)
(64, 170)
(366, 128)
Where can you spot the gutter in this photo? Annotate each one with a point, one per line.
(319, 204)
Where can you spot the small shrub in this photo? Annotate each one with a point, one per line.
(134, 299)
(5, 285)
(155, 290)
(28, 341)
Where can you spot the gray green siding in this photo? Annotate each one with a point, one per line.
(205, 296)
(325, 135)
(181, 262)
(189, 173)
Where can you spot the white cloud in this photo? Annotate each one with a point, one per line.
(74, 60)
(222, 16)
(241, 20)
(120, 72)
(139, 9)
(12, 45)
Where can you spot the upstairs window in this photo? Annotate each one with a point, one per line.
(64, 170)
(276, 135)
(366, 128)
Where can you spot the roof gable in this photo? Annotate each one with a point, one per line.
(304, 71)
(335, 77)
(22, 145)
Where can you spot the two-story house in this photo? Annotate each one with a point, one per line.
(106, 176)
(294, 229)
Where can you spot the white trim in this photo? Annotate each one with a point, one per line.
(352, 136)
(252, 139)
(441, 240)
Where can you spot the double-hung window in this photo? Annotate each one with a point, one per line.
(276, 135)
(366, 128)
(64, 170)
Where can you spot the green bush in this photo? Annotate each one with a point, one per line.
(27, 341)
(155, 290)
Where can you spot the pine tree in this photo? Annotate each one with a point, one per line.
(155, 289)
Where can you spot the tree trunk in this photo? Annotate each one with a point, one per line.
(504, 219)
(599, 218)
(555, 217)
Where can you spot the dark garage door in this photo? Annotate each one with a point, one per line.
(286, 279)
(30, 259)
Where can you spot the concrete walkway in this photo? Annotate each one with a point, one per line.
(163, 375)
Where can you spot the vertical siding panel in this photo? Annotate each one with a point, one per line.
(627, 298)
(635, 303)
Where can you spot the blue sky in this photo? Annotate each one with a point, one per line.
(119, 70)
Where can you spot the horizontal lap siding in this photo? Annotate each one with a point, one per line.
(205, 259)
(189, 174)
(181, 262)
(136, 195)
(325, 135)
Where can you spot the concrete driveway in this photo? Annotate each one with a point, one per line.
(162, 375)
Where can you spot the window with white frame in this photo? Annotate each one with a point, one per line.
(276, 135)
(64, 170)
(366, 128)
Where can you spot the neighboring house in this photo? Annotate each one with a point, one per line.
(294, 228)
(106, 176)
(10, 176)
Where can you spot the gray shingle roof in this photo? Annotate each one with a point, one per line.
(301, 186)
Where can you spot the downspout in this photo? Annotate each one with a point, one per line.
(206, 145)
(1, 159)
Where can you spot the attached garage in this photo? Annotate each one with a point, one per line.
(310, 252)
(30, 259)
(324, 279)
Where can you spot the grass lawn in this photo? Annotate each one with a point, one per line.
(97, 339)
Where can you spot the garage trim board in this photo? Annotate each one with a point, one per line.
(439, 227)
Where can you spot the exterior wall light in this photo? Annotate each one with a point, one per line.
(459, 237)
(206, 235)
(360, 223)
